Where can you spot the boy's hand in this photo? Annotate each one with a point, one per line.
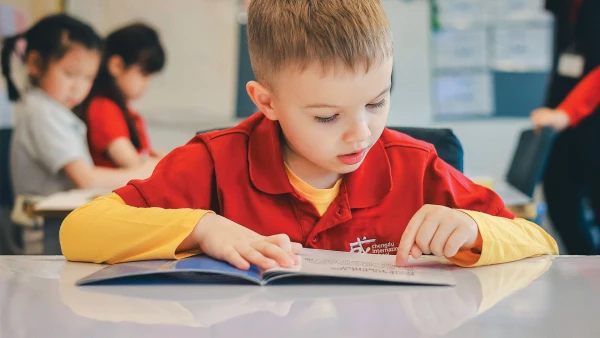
(228, 241)
(438, 230)
(546, 117)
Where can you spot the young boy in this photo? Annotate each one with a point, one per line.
(316, 168)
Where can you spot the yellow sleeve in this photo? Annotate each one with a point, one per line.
(107, 230)
(505, 240)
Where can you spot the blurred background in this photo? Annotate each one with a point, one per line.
(458, 64)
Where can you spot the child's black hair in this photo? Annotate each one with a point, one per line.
(136, 44)
(51, 38)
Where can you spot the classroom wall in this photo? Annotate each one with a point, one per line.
(488, 144)
(202, 95)
(35, 9)
(200, 37)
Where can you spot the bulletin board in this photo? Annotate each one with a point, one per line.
(490, 58)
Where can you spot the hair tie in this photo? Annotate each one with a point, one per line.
(21, 47)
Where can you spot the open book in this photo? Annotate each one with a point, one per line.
(315, 266)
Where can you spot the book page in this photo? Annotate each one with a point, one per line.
(325, 263)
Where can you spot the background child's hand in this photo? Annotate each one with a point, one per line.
(546, 117)
(228, 241)
(438, 230)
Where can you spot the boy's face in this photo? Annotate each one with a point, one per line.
(331, 120)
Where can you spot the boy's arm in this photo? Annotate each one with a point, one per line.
(147, 219)
(109, 231)
(583, 99)
(165, 217)
(502, 238)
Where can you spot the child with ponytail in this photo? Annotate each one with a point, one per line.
(49, 151)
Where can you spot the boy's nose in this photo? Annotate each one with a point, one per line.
(358, 132)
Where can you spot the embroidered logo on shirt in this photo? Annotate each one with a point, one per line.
(365, 245)
(358, 245)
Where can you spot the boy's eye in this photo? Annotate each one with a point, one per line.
(326, 119)
(379, 104)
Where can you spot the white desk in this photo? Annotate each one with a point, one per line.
(538, 297)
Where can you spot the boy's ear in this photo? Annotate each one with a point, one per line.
(262, 98)
(115, 65)
(35, 66)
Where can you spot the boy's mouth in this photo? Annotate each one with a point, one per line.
(353, 158)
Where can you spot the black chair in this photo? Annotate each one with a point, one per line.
(529, 160)
(445, 142)
(10, 234)
(6, 193)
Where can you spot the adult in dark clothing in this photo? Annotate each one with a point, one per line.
(572, 176)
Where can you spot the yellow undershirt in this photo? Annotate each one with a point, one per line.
(320, 198)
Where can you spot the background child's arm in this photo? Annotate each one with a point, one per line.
(122, 152)
(109, 134)
(85, 176)
(157, 154)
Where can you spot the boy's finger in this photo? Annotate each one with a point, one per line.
(285, 243)
(234, 258)
(415, 252)
(274, 252)
(426, 232)
(296, 248)
(282, 240)
(438, 243)
(455, 241)
(408, 237)
(253, 256)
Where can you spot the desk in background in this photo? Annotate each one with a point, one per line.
(538, 297)
(515, 201)
(54, 208)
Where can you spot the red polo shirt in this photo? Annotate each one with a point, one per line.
(239, 173)
(106, 124)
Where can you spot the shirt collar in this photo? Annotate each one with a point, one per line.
(367, 186)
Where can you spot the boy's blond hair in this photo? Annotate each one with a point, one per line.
(353, 33)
